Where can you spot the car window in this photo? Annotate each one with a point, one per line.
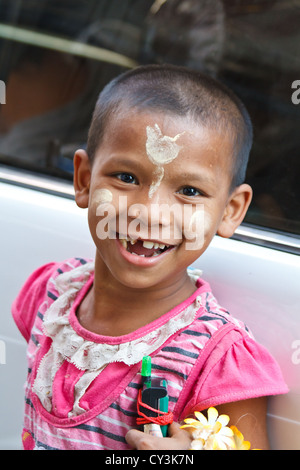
(56, 56)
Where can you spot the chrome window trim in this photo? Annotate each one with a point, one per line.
(268, 238)
(26, 179)
(245, 233)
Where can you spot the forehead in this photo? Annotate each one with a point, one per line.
(130, 131)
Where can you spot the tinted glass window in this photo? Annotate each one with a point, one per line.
(56, 55)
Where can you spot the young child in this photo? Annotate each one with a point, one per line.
(161, 138)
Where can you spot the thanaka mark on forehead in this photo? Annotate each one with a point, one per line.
(161, 149)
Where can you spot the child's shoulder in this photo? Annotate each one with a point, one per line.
(68, 265)
(52, 270)
(217, 312)
(46, 275)
(214, 315)
(43, 284)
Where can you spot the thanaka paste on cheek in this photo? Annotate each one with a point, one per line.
(161, 149)
(101, 196)
(101, 204)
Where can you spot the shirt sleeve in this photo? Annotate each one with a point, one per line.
(238, 369)
(32, 294)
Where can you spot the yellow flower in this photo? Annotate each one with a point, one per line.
(210, 433)
(238, 437)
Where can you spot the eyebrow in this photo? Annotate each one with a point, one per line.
(123, 162)
(196, 178)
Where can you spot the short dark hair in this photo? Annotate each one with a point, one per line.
(181, 92)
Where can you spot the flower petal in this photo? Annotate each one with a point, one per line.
(245, 446)
(191, 421)
(197, 444)
(223, 419)
(217, 427)
(190, 426)
(200, 416)
(212, 415)
(237, 434)
(219, 444)
(230, 443)
(226, 432)
(239, 439)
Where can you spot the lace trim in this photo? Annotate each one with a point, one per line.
(86, 355)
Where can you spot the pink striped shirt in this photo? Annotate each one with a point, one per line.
(77, 399)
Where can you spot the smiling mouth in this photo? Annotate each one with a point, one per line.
(144, 248)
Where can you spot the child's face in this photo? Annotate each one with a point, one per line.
(161, 180)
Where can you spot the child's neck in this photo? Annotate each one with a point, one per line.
(111, 309)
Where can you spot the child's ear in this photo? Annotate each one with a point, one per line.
(81, 178)
(235, 210)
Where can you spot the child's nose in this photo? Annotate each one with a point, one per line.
(161, 195)
(151, 214)
(164, 217)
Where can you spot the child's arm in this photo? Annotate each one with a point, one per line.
(248, 415)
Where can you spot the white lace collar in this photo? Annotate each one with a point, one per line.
(86, 355)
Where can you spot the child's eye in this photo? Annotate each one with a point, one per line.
(126, 178)
(189, 191)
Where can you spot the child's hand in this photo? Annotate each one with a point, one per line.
(179, 439)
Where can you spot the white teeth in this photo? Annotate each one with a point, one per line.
(123, 242)
(148, 245)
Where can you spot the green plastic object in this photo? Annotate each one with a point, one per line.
(146, 371)
(163, 406)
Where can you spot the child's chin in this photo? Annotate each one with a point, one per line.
(137, 282)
